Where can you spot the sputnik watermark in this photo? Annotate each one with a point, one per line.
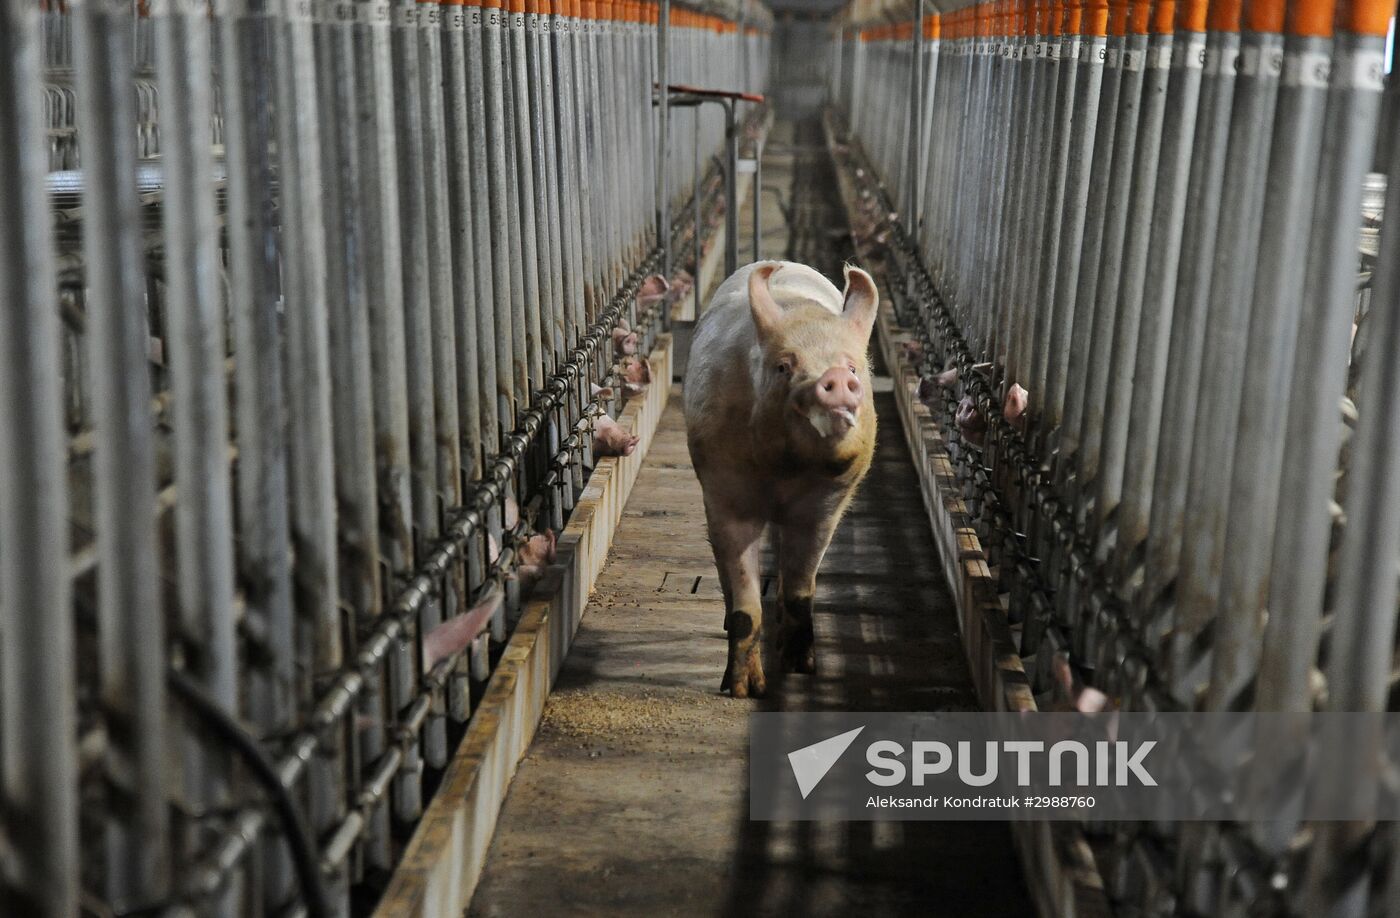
(1071, 766)
(811, 763)
(1114, 763)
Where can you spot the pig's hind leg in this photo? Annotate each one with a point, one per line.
(735, 543)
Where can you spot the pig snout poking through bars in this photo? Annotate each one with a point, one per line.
(780, 421)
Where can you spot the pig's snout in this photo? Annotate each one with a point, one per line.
(836, 398)
(838, 389)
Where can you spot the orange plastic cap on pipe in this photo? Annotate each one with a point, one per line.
(1073, 17)
(1117, 17)
(1139, 16)
(1310, 18)
(1224, 16)
(1095, 18)
(1191, 15)
(1263, 16)
(1365, 17)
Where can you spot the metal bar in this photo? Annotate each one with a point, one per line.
(1162, 270)
(1303, 527)
(204, 513)
(663, 133)
(1203, 190)
(131, 624)
(1288, 209)
(38, 758)
(1232, 279)
(462, 216)
(731, 191)
(418, 344)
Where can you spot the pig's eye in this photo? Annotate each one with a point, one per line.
(784, 368)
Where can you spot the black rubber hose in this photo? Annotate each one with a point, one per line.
(305, 858)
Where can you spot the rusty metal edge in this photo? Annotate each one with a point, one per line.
(445, 857)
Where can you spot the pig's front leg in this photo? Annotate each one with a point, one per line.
(735, 543)
(801, 546)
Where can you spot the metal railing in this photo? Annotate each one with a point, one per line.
(313, 307)
(1129, 235)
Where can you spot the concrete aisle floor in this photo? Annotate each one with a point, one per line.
(633, 798)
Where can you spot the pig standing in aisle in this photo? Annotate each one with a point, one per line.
(781, 427)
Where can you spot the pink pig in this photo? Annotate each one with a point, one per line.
(457, 632)
(780, 421)
(970, 421)
(635, 373)
(1014, 407)
(534, 555)
(609, 439)
(624, 339)
(653, 290)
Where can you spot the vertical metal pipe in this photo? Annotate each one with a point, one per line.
(1054, 128)
(497, 151)
(1232, 279)
(513, 348)
(1156, 34)
(527, 343)
(1279, 295)
(1168, 219)
(1039, 95)
(458, 20)
(1362, 639)
(447, 446)
(348, 308)
(566, 136)
(731, 188)
(384, 276)
(264, 546)
(420, 380)
(543, 310)
(585, 158)
(307, 354)
(204, 513)
(916, 114)
(484, 202)
(38, 758)
(757, 191)
(663, 133)
(928, 63)
(1097, 204)
(605, 77)
(131, 624)
(1084, 122)
(1362, 634)
(1203, 192)
(1312, 433)
(462, 215)
(307, 350)
(254, 288)
(1110, 263)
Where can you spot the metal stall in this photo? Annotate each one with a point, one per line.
(314, 314)
(1129, 240)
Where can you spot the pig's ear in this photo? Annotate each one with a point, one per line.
(862, 299)
(767, 314)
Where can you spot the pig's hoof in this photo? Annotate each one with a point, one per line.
(797, 652)
(744, 679)
(799, 659)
